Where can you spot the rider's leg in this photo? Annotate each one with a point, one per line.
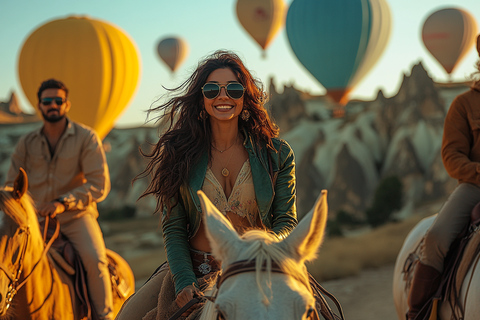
(452, 218)
(144, 299)
(424, 285)
(86, 237)
(450, 221)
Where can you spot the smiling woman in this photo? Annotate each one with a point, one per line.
(225, 144)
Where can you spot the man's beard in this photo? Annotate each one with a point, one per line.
(52, 118)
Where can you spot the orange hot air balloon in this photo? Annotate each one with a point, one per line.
(449, 34)
(97, 61)
(173, 51)
(478, 45)
(262, 19)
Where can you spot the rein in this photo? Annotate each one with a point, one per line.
(14, 285)
(232, 270)
(242, 267)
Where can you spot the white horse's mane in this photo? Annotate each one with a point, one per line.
(263, 252)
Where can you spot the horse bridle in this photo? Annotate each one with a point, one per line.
(235, 268)
(14, 284)
(15, 276)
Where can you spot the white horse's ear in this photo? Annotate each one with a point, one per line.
(219, 230)
(20, 185)
(306, 238)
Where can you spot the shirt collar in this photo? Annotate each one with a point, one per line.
(70, 130)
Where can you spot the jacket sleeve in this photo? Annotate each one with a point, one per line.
(177, 248)
(284, 210)
(96, 185)
(17, 160)
(456, 144)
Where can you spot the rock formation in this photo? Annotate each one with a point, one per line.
(399, 135)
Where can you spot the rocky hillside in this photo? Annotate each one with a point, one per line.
(349, 156)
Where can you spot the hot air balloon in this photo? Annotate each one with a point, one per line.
(338, 41)
(262, 19)
(478, 45)
(96, 60)
(448, 34)
(173, 51)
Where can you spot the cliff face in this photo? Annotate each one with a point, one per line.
(349, 156)
(10, 112)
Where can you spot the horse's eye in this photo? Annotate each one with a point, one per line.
(310, 312)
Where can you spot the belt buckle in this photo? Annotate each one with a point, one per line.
(205, 268)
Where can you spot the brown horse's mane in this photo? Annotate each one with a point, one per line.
(21, 213)
(13, 208)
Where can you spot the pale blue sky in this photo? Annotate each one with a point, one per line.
(208, 25)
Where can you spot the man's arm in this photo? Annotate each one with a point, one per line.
(96, 184)
(17, 160)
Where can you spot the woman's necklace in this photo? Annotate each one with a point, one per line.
(225, 171)
(222, 151)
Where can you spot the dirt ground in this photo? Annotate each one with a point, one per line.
(367, 295)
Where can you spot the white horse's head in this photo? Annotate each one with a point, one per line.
(263, 294)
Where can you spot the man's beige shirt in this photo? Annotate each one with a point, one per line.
(77, 173)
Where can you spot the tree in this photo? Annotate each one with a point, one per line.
(387, 199)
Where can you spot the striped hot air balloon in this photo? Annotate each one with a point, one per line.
(262, 19)
(448, 34)
(338, 41)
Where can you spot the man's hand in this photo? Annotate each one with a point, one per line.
(51, 209)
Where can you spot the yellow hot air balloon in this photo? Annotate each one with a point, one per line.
(262, 19)
(173, 51)
(96, 60)
(449, 34)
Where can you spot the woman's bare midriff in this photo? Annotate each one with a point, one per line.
(200, 241)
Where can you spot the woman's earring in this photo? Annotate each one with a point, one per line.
(245, 115)
(203, 115)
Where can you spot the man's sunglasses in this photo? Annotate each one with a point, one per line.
(234, 90)
(48, 101)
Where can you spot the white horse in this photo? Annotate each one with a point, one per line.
(470, 290)
(275, 285)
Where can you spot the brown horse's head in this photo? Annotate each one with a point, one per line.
(17, 218)
(24, 265)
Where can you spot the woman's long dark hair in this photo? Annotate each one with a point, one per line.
(189, 135)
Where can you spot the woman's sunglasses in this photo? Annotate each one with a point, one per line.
(48, 101)
(234, 90)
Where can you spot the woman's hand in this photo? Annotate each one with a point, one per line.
(185, 296)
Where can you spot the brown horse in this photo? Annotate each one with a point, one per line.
(32, 285)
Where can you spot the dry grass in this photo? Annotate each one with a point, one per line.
(341, 257)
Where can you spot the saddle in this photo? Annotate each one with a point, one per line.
(64, 255)
(462, 254)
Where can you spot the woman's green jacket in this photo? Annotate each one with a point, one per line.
(276, 204)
